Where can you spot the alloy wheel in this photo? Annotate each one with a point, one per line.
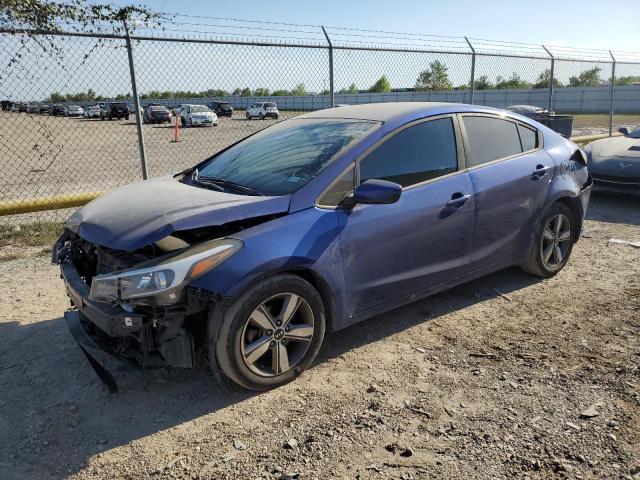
(277, 335)
(556, 240)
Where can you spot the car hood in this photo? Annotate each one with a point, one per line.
(139, 214)
(616, 147)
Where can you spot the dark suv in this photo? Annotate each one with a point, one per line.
(115, 110)
(222, 109)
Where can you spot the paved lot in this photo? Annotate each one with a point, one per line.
(45, 155)
(498, 378)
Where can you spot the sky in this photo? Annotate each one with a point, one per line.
(585, 23)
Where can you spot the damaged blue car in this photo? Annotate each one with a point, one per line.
(311, 225)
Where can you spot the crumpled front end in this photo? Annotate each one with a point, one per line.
(158, 329)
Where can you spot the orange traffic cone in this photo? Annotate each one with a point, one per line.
(176, 132)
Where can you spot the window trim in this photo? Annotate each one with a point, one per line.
(467, 143)
(317, 203)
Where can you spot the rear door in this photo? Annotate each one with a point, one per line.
(511, 174)
(393, 251)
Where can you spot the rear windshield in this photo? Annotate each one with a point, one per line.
(119, 105)
(269, 104)
(158, 108)
(281, 159)
(225, 105)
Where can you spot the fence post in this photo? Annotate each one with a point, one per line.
(331, 91)
(473, 70)
(136, 100)
(611, 94)
(551, 78)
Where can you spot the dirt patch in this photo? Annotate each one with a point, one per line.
(507, 376)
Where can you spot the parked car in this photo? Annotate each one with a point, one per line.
(6, 105)
(22, 107)
(222, 109)
(44, 109)
(197, 115)
(614, 162)
(32, 108)
(262, 110)
(92, 111)
(15, 107)
(156, 114)
(73, 111)
(114, 111)
(313, 224)
(57, 110)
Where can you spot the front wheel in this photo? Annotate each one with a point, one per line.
(553, 242)
(270, 335)
(248, 116)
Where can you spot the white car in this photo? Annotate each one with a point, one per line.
(92, 112)
(263, 110)
(197, 115)
(73, 111)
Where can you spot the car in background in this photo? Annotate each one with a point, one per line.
(311, 225)
(222, 109)
(156, 114)
(263, 110)
(6, 105)
(33, 108)
(92, 111)
(614, 162)
(14, 107)
(114, 111)
(44, 109)
(57, 110)
(22, 107)
(197, 115)
(73, 111)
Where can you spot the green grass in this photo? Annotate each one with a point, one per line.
(593, 120)
(39, 234)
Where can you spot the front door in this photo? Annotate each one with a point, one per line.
(394, 251)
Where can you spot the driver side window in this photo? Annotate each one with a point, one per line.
(414, 155)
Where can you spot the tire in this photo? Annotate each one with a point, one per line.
(248, 116)
(276, 117)
(183, 121)
(261, 116)
(230, 338)
(549, 239)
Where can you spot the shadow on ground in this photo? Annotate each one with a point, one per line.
(56, 414)
(612, 208)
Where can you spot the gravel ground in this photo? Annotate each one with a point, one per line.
(509, 376)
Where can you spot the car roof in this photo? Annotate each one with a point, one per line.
(383, 112)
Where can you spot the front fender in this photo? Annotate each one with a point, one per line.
(307, 241)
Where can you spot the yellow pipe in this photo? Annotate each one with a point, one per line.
(30, 205)
(590, 138)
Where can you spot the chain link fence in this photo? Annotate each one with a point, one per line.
(63, 142)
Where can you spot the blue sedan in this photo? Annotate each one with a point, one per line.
(311, 225)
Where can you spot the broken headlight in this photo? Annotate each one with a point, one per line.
(164, 279)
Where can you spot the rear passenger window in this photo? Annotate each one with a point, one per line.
(528, 138)
(491, 138)
(414, 155)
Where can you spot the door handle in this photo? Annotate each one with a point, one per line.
(541, 171)
(458, 200)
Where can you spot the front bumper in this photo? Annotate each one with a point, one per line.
(203, 122)
(615, 186)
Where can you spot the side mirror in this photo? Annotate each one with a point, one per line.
(376, 192)
(624, 130)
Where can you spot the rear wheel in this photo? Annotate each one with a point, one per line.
(183, 121)
(553, 242)
(270, 335)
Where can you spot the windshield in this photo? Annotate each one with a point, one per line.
(269, 104)
(156, 108)
(199, 109)
(635, 133)
(281, 159)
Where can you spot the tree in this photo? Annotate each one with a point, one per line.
(381, 86)
(627, 80)
(544, 78)
(299, 90)
(280, 93)
(75, 15)
(514, 81)
(261, 92)
(246, 92)
(436, 77)
(483, 83)
(351, 90)
(587, 78)
(237, 91)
